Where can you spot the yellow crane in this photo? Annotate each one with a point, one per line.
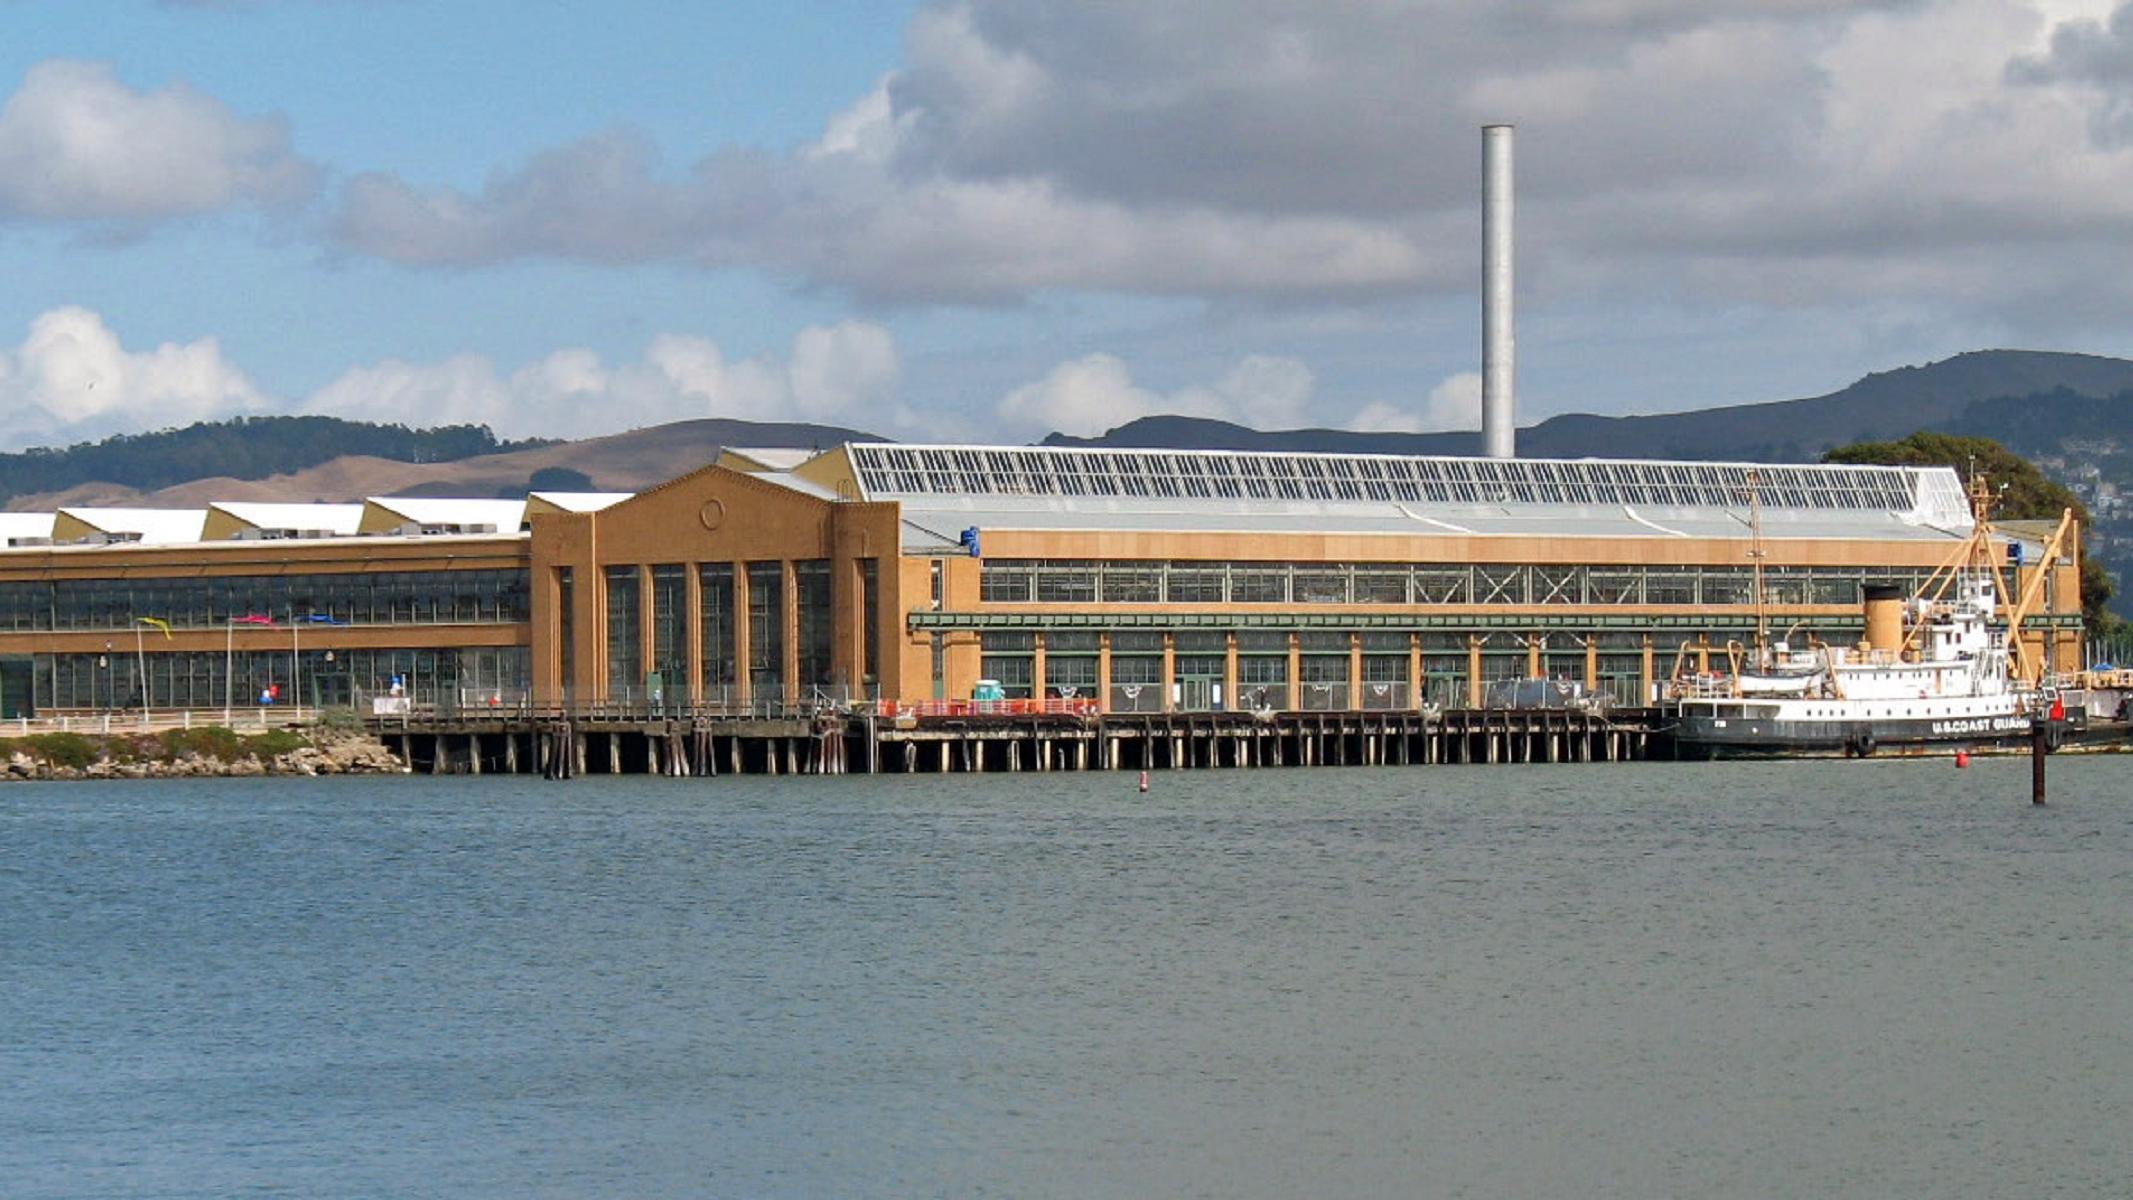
(1978, 553)
(2028, 666)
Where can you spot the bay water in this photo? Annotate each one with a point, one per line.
(1771, 980)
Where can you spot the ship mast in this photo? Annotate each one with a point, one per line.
(1756, 554)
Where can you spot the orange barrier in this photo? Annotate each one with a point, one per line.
(1077, 707)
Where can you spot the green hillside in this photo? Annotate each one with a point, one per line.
(243, 448)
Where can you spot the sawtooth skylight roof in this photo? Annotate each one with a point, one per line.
(1932, 495)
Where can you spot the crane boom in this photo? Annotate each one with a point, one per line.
(2031, 672)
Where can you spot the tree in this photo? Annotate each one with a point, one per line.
(2025, 495)
(559, 479)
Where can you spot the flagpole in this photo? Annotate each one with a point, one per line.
(140, 658)
(229, 663)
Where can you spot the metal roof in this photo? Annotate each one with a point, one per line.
(945, 489)
(933, 523)
(1191, 479)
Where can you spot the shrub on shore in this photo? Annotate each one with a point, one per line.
(216, 743)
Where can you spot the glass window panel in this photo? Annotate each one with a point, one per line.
(1132, 583)
(1442, 585)
(1259, 583)
(715, 626)
(1195, 583)
(811, 584)
(766, 631)
(1006, 581)
(1321, 585)
(625, 654)
(1381, 585)
(1066, 583)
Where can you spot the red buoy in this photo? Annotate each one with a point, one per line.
(1144, 781)
(1962, 758)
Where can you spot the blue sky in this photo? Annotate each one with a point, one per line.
(987, 220)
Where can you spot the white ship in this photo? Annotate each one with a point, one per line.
(1946, 667)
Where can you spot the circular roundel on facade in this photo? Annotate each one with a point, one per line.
(712, 514)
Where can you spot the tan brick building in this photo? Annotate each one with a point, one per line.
(1142, 580)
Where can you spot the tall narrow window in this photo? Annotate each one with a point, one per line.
(670, 630)
(870, 612)
(567, 629)
(811, 594)
(717, 618)
(766, 630)
(625, 661)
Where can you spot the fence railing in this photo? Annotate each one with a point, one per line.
(156, 720)
(1123, 698)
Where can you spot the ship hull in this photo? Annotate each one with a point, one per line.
(1707, 735)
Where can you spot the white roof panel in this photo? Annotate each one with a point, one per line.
(338, 519)
(154, 526)
(24, 525)
(505, 515)
(582, 502)
(777, 458)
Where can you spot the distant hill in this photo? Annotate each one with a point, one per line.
(1939, 396)
(623, 462)
(2070, 414)
(241, 448)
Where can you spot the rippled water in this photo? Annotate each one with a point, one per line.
(1814, 979)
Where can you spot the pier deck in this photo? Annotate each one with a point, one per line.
(560, 744)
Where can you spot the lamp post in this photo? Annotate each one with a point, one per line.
(104, 660)
(140, 663)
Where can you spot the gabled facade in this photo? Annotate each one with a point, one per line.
(723, 585)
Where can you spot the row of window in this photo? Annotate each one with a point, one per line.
(1064, 644)
(1023, 581)
(213, 680)
(1322, 681)
(716, 621)
(370, 598)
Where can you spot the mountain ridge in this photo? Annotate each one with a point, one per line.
(1881, 406)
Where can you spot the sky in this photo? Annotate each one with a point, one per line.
(985, 220)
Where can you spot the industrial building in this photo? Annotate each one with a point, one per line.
(1126, 580)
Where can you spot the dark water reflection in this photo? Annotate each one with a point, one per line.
(1764, 980)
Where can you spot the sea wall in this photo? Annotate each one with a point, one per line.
(205, 752)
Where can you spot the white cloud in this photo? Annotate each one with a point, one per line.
(1089, 395)
(1453, 404)
(839, 374)
(1783, 152)
(77, 144)
(72, 380)
(1083, 397)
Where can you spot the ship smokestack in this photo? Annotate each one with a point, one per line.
(1884, 617)
(1499, 350)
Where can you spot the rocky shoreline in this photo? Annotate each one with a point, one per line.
(211, 752)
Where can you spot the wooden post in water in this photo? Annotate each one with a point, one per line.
(2039, 735)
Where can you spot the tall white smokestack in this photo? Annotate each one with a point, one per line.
(1499, 348)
